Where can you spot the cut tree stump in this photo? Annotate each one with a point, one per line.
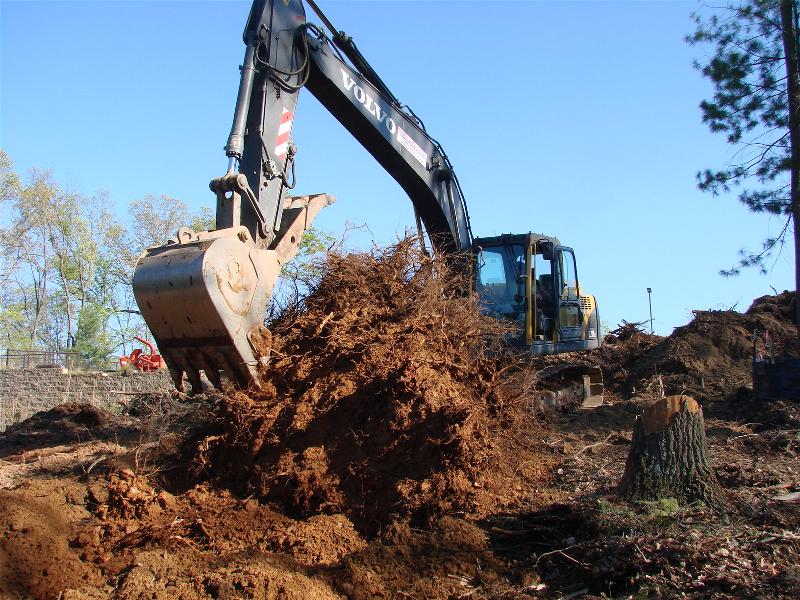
(669, 455)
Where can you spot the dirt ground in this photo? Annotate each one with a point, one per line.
(387, 456)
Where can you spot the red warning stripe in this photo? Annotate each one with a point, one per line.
(284, 133)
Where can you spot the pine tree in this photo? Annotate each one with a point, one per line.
(756, 103)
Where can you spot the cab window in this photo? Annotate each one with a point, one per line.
(501, 283)
(544, 277)
(569, 278)
(491, 269)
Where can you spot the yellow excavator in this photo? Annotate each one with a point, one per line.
(204, 295)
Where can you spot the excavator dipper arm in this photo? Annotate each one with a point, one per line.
(285, 53)
(204, 295)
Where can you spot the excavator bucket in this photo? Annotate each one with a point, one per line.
(204, 295)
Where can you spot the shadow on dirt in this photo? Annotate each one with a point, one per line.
(604, 419)
(66, 424)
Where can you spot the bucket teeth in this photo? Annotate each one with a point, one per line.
(192, 374)
(238, 370)
(194, 379)
(211, 363)
(213, 376)
(199, 363)
(176, 374)
(218, 359)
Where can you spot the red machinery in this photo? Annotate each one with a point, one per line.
(143, 362)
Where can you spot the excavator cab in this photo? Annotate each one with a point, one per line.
(531, 280)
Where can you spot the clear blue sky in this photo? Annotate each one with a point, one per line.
(573, 119)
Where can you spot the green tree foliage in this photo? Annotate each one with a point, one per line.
(152, 221)
(155, 219)
(205, 220)
(754, 70)
(32, 253)
(300, 273)
(93, 342)
(305, 266)
(66, 264)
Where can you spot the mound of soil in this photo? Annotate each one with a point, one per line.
(65, 424)
(711, 357)
(381, 400)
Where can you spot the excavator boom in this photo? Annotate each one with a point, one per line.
(204, 295)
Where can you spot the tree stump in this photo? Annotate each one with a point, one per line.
(669, 455)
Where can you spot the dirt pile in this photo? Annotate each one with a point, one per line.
(619, 355)
(708, 358)
(382, 399)
(64, 424)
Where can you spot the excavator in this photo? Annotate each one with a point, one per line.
(204, 295)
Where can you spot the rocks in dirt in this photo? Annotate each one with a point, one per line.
(166, 500)
(127, 495)
(320, 540)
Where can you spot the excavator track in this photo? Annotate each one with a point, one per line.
(570, 386)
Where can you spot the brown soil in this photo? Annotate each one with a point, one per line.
(709, 358)
(37, 521)
(64, 424)
(392, 454)
(381, 401)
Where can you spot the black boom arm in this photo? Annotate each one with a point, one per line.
(284, 54)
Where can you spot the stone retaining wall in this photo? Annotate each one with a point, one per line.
(24, 392)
